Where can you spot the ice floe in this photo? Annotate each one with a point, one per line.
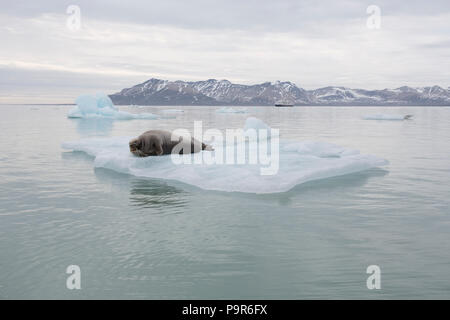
(101, 106)
(298, 162)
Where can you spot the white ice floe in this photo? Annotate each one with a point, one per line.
(387, 117)
(256, 124)
(299, 162)
(101, 106)
(231, 110)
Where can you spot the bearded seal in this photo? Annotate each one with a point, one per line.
(160, 142)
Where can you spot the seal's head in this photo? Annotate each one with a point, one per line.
(135, 146)
(146, 145)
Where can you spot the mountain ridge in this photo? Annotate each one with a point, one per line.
(223, 92)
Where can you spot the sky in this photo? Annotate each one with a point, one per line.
(50, 54)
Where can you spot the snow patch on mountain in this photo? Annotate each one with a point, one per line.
(224, 92)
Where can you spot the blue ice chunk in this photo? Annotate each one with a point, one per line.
(101, 106)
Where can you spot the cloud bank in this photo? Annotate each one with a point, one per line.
(313, 44)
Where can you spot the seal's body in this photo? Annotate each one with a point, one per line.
(161, 142)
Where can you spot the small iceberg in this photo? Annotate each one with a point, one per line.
(394, 117)
(299, 162)
(231, 110)
(256, 124)
(101, 106)
(253, 125)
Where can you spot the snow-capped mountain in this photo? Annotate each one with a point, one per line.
(223, 92)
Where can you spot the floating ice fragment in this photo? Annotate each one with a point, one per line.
(253, 125)
(101, 106)
(173, 111)
(387, 117)
(231, 110)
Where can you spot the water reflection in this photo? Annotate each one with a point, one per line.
(94, 126)
(157, 194)
(146, 193)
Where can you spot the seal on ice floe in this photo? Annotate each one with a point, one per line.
(161, 142)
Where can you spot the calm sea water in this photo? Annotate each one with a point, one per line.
(142, 238)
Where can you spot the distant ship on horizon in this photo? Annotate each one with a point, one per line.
(283, 104)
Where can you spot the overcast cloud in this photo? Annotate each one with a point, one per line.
(311, 43)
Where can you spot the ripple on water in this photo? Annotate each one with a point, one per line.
(145, 238)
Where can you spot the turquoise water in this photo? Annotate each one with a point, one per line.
(144, 238)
